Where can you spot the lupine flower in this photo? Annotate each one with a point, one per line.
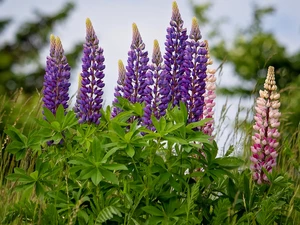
(209, 96)
(89, 102)
(195, 73)
(135, 80)
(264, 153)
(155, 70)
(57, 76)
(119, 88)
(137, 83)
(172, 75)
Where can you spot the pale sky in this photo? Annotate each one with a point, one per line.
(112, 20)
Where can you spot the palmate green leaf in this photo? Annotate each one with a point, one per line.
(60, 114)
(229, 162)
(130, 151)
(200, 123)
(153, 211)
(15, 146)
(218, 173)
(20, 176)
(177, 140)
(106, 214)
(122, 117)
(199, 137)
(172, 127)
(25, 187)
(87, 173)
(70, 120)
(97, 150)
(118, 130)
(81, 161)
(114, 166)
(56, 126)
(49, 115)
(35, 175)
(75, 169)
(96, 177)
(156, 123)
(39, 189)
(109, 176)
(21, 154)
(128, 136)
(111, 152)
(16, 135)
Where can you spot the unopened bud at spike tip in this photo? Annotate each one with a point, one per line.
(175, 13)
(155, 44)
(195, 30)
(89, 27)
(175, 9)
(136, 36)
(52, 40)
(122, 72)
(58, 44)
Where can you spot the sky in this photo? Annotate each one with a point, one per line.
(112, 21)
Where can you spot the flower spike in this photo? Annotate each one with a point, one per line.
(119, 88)
(173, 87)
(193, 82)
(266, 125)
(209, 95)
(57, 76)
(89, 103)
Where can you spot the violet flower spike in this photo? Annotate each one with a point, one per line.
(155, 70)
(90, 101)
(195, 73)
(119, 89)
(57, 76)
(135, 79)
(172, 75)
(266, 125)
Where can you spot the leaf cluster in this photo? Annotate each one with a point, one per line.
(122, 173)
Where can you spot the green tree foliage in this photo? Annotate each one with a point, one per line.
(21, 70)
(254, 49)
(24, 49)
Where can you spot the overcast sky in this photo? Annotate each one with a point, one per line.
(112, 21)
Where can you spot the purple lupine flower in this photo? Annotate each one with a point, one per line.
(195, 73)
(89, 102)
(135, 80)
(155, 70)
(119, 88)
(172, 76)
(137, 83)
(57, 76)
(209, 96)
(264, 153)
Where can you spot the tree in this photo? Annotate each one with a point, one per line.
(250, 54)
(25, 49)
(21, 71)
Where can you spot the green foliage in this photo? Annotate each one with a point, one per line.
(250, 52)
(121, 173)
(24, 49)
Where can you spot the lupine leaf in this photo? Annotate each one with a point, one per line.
(152, 211)
(229, 162)
(49, 115)
(114, 166)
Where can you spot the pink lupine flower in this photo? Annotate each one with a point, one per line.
(209, 96)
(266, 125)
